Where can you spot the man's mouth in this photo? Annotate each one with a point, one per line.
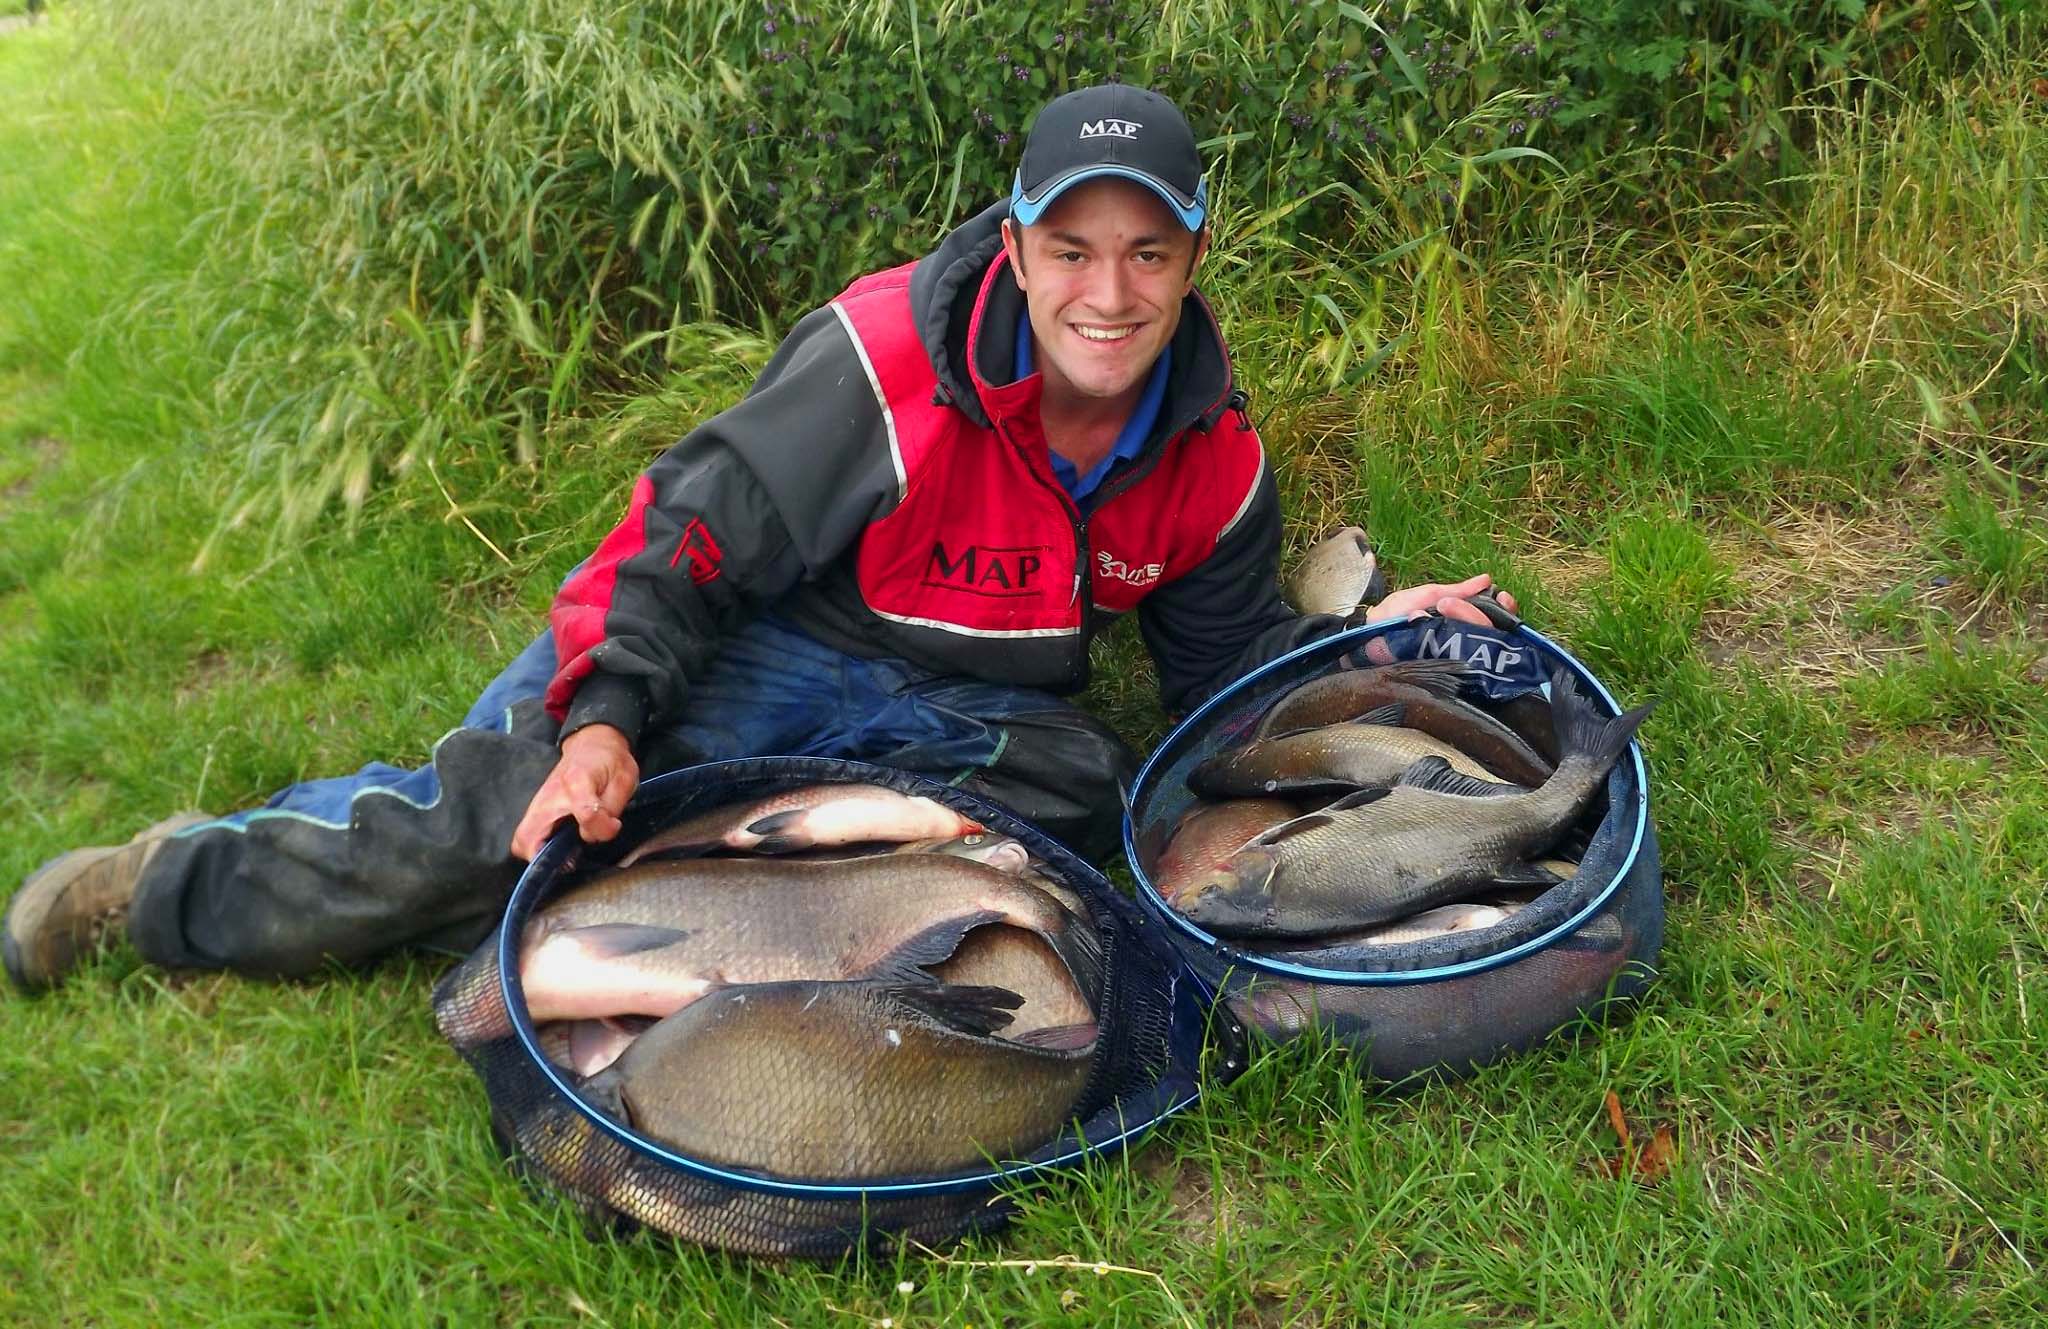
(1105, 334)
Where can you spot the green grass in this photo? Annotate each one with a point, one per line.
(1723, 485)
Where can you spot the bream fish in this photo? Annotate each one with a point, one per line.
(1429, 693)
(1336, 576)
(917, 1083)
(810, 817)
(1381, 855)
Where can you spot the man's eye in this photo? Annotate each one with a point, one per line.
(1067, 256)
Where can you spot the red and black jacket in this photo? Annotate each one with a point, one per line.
(886, 487)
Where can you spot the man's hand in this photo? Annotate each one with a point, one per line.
(592, 782)
(1448, 600)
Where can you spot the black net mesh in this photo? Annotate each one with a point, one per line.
(1446, 1004)
(1152, 1013)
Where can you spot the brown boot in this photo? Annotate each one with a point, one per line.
(72, 905)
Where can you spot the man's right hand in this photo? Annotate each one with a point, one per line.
(592, 782)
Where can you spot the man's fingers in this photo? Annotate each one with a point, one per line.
(1461, 610)
(534, 829)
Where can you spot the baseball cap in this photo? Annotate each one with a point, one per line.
(1117, 130)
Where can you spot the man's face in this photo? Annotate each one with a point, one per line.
(1104, 272)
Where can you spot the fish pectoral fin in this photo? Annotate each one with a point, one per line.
(606, 1091)
(1287, 830)
(1526, 874)
(1393, 713)
(782, 832)
(664, 853)
(1358, 798)
(971, 1010)
(608, 941)
(1435, 775)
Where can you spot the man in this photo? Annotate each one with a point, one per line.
(896, 549)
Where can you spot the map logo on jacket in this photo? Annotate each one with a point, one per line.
(994, 570)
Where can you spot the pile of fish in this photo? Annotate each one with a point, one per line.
(839, 982)
(1371, 807)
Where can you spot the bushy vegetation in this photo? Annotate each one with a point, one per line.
(463, 223)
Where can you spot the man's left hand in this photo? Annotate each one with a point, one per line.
(1448, 599)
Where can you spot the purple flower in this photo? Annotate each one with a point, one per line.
(768, 26)
(760, 248)
(1002, 140)
(831, 136)
(874, 211)
(1518, 127)
(1059, 39)
(774, 190)
(1550, 34)
(1021, 72)
(1378, 50)
(1525, 48)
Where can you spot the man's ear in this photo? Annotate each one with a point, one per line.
(1013, 244)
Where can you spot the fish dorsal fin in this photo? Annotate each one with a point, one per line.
(1435, 775)
(970, 1010)
(1393, 713)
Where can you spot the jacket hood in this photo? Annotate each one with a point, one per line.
(947, 286)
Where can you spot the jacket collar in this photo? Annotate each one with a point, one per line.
(966, 306)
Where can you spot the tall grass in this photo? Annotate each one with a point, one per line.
(458, 230)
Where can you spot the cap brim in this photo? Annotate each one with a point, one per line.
(1191, 212)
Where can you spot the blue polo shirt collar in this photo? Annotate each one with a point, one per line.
(1130, 440)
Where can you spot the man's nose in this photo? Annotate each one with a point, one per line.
(1111, 291)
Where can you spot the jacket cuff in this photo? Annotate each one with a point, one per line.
(619, 700)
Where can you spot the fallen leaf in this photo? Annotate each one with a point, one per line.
(2041, 88)
(1655, 1160)
(1616, 1119)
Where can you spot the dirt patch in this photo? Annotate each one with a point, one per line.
(45, 453)
(1815, 587)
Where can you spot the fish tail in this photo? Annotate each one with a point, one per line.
(1583, 734)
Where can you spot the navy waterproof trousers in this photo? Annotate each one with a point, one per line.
(350, 869)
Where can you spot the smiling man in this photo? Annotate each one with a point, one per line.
(896, 548)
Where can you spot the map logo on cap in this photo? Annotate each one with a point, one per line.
(1118, 131)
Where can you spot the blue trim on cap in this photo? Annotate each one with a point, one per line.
(1027, 213)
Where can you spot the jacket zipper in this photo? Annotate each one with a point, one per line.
(1077, 665)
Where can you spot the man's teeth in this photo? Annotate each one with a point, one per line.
(1107, 334)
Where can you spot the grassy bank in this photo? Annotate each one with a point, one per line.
(1777, 466)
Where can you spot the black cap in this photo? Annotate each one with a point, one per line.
(1113, 130)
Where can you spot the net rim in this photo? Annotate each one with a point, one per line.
(562, 852)
(1336, 644)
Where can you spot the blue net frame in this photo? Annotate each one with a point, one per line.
(1444, 1005)
(1158, 1043)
